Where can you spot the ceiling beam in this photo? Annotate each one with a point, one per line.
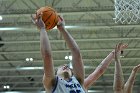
(78, 40)
(58, 51)
(62, 13)
(58, 60)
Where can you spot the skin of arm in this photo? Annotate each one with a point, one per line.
(118, 85)
(101, 68)
(98, 71)
(130, 82)
(78, 67)
(49, 76)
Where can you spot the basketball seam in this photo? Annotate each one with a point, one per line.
(53, 22)
(47, 18)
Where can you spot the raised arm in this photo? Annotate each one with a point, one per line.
(77, 63)
(101, 68)
(130, 82)
(46, 54)
(118, 85)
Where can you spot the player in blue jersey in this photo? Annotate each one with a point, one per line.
(119, 86)
(66, 81)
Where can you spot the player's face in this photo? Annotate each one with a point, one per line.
(64, 69)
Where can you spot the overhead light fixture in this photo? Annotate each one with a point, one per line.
(17, 28)
(22, 92)
(94, 91)
(6, 86)
(28, 68)
(0, 18)
(8, 28)
(29, 59)
(68, 57)
(68, 27)
(36, 68)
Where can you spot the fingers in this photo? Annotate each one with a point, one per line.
(33, 19)
(122, 46)
(125, 45)
(36, 18)
(118, 50)
(61, 17)
(136, 68)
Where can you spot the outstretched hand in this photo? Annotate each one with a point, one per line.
(38, 21)
(61, 22)
(119, 47)
(136, 68)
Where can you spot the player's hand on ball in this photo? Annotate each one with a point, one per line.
(38, 21)
(61, 22)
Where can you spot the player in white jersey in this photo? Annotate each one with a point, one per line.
(59, 83)
(64, 81)
(68, 86)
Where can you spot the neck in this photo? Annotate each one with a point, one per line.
(65, 76)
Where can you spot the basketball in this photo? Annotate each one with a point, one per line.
(49, 17)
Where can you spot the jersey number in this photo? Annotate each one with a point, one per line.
(75, 91)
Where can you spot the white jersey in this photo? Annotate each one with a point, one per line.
(70, 86)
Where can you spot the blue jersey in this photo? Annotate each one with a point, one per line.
(70, 86)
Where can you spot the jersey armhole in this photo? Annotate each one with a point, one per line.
(56, 81)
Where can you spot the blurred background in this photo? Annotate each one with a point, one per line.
(91, 24)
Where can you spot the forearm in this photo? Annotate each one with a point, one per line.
(130, 82)
(77, 59)
(69, 40)
(46, 53)
(118, 77)
(99, 70)
(104, 64)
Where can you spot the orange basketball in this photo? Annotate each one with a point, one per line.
(49, 17)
